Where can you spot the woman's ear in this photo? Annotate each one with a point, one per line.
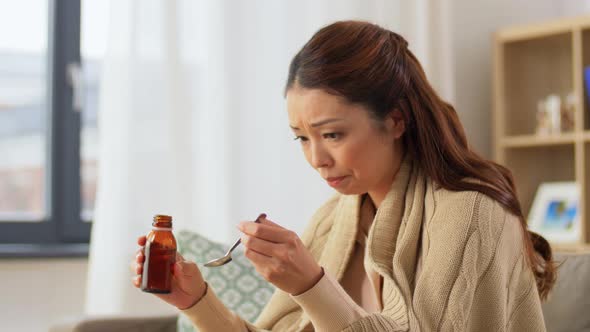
(396, 123)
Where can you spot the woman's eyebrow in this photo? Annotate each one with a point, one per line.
(320, 123)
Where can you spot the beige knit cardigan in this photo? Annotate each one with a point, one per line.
(473, 274)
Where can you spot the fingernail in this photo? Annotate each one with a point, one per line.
(261, 216)
(241, 225)
(179, 267)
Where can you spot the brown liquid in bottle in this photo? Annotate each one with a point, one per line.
(160, 256)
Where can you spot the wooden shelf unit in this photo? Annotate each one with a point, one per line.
(533, 140)
(530, 63)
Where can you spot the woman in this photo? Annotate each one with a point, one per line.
(423, 234)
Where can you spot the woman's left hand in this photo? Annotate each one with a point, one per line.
(280, 256)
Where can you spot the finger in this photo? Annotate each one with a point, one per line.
(260, 246)
(138, 269)
(139, 256)
(179, 259)
(260, 261)
(265, 232)
(265, 221)
(260, 216)
(141, 240)
(258, 219)
(137, 281)
(133, 266)
(140, 251)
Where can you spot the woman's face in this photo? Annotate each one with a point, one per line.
(350, 150)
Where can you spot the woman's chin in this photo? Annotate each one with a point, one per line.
(349, 191)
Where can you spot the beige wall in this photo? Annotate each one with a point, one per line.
(473, 24)
(34, 293)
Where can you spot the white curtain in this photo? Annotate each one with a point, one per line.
(193, 122)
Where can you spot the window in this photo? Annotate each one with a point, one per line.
(23, 101)
(48, 132)
(93, 46)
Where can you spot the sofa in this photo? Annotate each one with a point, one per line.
(243, 291)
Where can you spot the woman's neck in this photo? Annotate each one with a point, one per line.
(378, 194)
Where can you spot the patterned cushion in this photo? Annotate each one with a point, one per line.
(237, 284)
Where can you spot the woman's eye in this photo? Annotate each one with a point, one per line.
(332, 136)
(301, 138)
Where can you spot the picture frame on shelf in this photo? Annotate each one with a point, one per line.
(555, 213)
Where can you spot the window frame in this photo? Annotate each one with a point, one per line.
(62, 232)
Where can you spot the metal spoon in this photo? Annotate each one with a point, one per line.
(227, 257)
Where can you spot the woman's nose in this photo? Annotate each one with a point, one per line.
(319, 157)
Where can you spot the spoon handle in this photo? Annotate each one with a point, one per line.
(237, 243)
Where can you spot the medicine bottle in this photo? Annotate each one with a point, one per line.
(160, 256)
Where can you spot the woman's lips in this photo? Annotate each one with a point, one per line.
(334, 182)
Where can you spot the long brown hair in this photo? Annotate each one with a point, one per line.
(372, 66)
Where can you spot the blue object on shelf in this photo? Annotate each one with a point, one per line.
(587, 81)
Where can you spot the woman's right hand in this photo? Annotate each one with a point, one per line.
(188, 286)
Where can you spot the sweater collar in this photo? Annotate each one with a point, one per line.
(382, 234)
(340, 242)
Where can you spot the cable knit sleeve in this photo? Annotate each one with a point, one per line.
(209, 314)
(374, 323)
(475, 276)
(328, 305)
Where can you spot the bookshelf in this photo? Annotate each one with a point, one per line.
(530, 63)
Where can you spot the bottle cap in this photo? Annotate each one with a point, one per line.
(163, 217)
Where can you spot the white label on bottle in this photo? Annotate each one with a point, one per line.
(146, 263)
(162, 228)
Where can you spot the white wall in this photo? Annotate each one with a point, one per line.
(473, 24)
(34, 293)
